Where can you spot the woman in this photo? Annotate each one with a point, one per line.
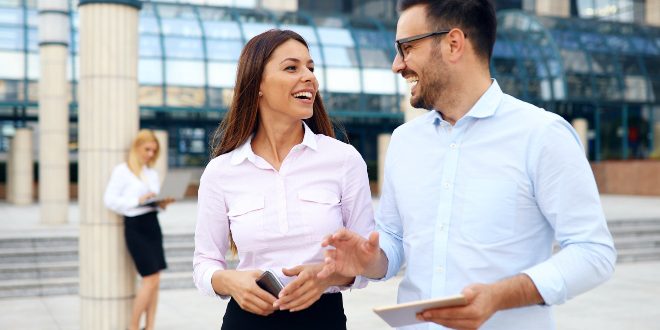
(278, 184)
(131, 186)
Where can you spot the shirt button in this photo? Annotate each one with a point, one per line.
(453, 145)
(446, 185)
(439, 269)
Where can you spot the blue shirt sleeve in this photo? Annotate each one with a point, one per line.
(567, 196)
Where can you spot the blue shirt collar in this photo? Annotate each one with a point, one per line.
(486, 106)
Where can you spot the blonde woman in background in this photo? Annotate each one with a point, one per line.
(131, 186)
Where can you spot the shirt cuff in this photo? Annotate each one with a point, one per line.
(208, 286)
(549, 282)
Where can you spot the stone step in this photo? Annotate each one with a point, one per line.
(638, 254)
(633, 242)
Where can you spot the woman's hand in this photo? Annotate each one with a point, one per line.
(145, 197)
(242, 286)
(165, 202)
(307, 288)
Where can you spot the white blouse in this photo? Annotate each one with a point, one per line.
(124, 190)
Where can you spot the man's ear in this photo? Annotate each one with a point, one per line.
(456, 44)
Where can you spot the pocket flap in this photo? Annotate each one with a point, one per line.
(318, 196)
(245, 204)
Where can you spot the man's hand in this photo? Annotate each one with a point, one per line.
(482, 304)
(242, 286)
(304, 290)
(484, 300)
(353, 255)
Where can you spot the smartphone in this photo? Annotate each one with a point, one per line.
(270, 283)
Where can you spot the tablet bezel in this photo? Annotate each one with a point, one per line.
(405, 314)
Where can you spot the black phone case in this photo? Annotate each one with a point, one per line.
(270, 283)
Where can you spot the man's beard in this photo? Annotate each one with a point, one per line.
(429, 92)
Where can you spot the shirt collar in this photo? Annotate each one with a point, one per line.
(485, 106)
(487, 103)
(245, 150)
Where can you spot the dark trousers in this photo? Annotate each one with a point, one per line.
(327, 313)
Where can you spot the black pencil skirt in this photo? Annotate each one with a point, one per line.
(327, 313)
(145, 243)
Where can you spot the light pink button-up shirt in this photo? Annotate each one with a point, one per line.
(279, 218)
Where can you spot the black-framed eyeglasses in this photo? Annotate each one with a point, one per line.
(398, 44)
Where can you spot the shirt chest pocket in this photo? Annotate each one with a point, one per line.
(489, 210)
(246, 215)
(320, 211)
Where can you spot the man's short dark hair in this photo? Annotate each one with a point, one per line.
(475, 17)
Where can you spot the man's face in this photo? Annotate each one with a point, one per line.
(422, 65)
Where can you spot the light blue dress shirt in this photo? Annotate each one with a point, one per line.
(484, 200)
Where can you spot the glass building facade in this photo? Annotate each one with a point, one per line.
(606, 72)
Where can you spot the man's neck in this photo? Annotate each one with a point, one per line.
(462, 98)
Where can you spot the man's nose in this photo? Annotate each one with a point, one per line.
(398, 64)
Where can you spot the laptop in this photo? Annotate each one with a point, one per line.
(174, 186)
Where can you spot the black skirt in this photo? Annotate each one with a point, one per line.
(145, 243)
(327, 313)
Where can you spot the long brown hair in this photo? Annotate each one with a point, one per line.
(242, 120)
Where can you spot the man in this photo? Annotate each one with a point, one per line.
(477, 190)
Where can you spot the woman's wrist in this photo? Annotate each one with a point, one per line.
(221, 281)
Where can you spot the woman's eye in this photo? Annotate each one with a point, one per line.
(289, 68)
(311, 69)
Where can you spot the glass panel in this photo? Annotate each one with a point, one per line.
(150, 71)
(150, 96)
(150, 46)
(190, 48)
(32, 18)
(11, 16)
(315, 53)
(222, 30)
(636, 89)
(374, 58)
(343, 80)
(339, 56)
(9, 90)
(14, 71)
(378, 81)
(342, 102)
(372, 39)
(652, 65)
(33, 40)
(382, 103)
(306, 32)
(181, 27)
(223, 50)
(335, 36)
(574, 61)
(33, 66)
(11, 38)
(184, 73)
(604, 63)
(608, 87)
(252, 29)
(222, 74)
(185, 96)
(148, 24)
(611, 133)
(220, 97)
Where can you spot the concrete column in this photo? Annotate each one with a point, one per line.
(22, 167)
(279, 5)
(560, 8)
(107, 122)
(383, 143)
(53, 112)
(161, 163)
(652, 12)
(581, 126)
(9, 188)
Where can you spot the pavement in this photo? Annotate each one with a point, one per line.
(630, 300)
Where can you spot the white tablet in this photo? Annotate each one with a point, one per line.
(406, 314)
